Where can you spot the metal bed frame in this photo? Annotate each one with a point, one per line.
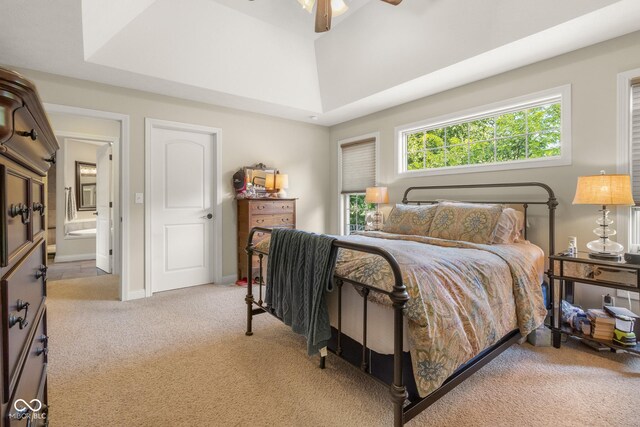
(403, 409)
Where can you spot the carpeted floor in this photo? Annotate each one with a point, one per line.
(181, 358)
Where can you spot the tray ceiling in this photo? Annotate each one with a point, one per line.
(264, 56)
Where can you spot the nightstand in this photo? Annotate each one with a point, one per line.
(590, 271)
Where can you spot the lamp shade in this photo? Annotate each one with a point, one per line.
(376, 195)
(269, 182)
(282, 181)
(604, 190)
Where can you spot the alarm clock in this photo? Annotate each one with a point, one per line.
(632, 258)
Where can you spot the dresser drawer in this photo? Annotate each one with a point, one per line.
(272, 220)
(261, 207)
(28, 399)
(25, 146)
(282, 207)
(271, 207)
(16, 212)
(24, 284)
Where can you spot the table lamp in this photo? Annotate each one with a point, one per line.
(604, 190)
(377, 195)
(281, 184)
(276, 184)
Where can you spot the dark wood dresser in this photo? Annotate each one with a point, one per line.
(27, 149)
(268, 213)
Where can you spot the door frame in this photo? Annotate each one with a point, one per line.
(95, 140)
(121, 230)
(216, 133)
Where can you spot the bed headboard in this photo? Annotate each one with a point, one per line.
(551, 201)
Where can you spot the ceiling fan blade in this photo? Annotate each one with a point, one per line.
(393, 2)
(323, 16)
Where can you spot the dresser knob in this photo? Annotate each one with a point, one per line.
(22, 210)
(31, 134)
(39, 207)
(51, 159)
(42, 272)
(21, 321)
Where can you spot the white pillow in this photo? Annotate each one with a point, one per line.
(509, 226)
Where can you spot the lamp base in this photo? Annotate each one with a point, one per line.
(604, 245)
(605, 256)
(374, 221)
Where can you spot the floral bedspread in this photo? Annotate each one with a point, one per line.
(464, 296)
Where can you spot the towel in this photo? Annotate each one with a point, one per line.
(70, 210)
(299, 274)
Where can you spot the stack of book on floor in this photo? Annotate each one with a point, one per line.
(602, 324)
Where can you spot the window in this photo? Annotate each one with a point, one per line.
(517, 133)
(355, 212)
(357, 160)
(635, 160)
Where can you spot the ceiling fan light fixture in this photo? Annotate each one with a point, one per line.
(307, 4)
(338, 7)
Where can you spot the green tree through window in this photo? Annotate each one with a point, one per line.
(356, 210)
(530, 133)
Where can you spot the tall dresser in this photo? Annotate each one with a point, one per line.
(27, 149)
(268, 213)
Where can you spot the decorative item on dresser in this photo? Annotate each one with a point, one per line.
(27, 150)
(268, 213)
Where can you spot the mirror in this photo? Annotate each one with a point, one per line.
(257, 175)
(86, 186)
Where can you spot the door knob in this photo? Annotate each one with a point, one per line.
(207, 216)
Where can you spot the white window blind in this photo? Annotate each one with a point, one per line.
(635, 141)
(358, 166)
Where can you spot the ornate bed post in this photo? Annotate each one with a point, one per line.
(249, 297)
(399, 297)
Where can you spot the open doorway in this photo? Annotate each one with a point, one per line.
(85, 197)
(82, 210)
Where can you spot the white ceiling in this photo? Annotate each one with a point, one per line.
(263, 55)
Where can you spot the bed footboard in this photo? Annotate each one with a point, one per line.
(398, 296)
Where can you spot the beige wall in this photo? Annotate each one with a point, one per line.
(299, 149)
(592, 72)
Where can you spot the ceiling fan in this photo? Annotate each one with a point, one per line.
(328, 8)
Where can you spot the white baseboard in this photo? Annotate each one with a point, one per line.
(70, 258)
(139, 294)
(228, 280)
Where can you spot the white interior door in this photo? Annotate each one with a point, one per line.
(104, 224)
(180, 208)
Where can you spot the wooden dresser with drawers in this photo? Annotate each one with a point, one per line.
(268, 213)
(27, 149)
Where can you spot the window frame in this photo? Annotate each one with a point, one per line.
(342, 225)
(624, 215)
(501, 107)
